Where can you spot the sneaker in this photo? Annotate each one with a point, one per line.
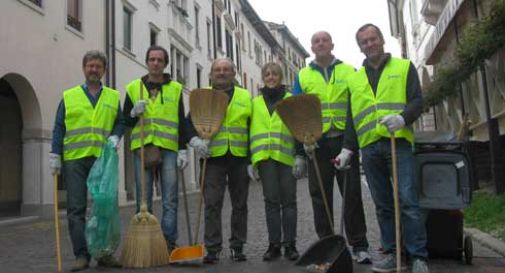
(237, 255)
(291, 253)
(362, 257)
(387, 264)
(108, 261)
(80, 264)
(212, 257)
(273, 252)
(420, 266)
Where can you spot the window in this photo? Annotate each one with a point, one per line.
(198, 77)
(197, 27)
(218, 32)
(242, 36)
(229, 44)
(249, 44)
(74, 14)
(244, 80)
(153, 37)
(127, 29)
(236, 19)
(209, 43)
(36, 2)
(239, 64)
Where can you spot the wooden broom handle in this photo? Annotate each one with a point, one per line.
(200, 201)
(57, 223)
(143, 203)
(396, 203)
(323, 191)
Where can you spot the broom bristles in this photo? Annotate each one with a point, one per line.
(302, 116)
(208, 108)
(145, 245)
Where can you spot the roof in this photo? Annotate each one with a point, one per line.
(258, 24)
(284, 29)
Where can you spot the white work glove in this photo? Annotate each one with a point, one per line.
(114, 140)
(138, 108)
(182, 159)
(55, 163)
(300, 167)
(253, 173)
(392, 122)
(341, 162)
(201, 147)
(309, 149)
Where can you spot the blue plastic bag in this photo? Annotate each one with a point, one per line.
(103, 224)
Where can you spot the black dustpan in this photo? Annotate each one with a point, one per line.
(329, 254)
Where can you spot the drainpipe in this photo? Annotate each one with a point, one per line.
(113, 43)
(495, 151)
(107, 53)
(214, 29)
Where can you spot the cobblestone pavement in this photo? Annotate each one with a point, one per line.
(30, 247)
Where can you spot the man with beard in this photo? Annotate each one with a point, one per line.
(88, 116)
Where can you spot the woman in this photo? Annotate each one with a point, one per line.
(272, 156)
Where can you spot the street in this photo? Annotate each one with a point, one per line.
(31, 247)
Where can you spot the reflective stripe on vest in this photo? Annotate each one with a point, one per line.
(390, 98)
(333, 95)
(233, 133)
(87, 127)
(269, 137)
(161, 120)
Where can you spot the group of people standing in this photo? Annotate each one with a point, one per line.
(360, 110)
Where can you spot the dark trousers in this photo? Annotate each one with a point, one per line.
(221, 171)
(354, 217)
(75, 174)
(279, 191)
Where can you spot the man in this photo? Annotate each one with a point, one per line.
(163, 110)
(228, 157)
(326, 77)
(386, 99)
(87, 117)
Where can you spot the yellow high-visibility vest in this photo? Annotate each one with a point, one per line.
(161, 120)
(389, 98)
(269, 136)
(233, 134)
(333, 95)
(87, 127)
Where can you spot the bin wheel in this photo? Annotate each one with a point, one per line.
(468, 249)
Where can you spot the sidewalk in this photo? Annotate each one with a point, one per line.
(29, 247)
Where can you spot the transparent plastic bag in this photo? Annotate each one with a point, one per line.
(103, 226)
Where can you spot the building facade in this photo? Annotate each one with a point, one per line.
(41, 50)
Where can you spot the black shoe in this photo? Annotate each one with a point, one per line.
(273, 252)
(212, 257)
(291, 253)
(108, 261)
(237, 255)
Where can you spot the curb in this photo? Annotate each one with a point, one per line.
(487, 240)
(18, 220)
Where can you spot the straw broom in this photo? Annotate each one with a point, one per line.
(145, 245)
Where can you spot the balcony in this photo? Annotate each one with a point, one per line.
(449, 12)
(432, 9)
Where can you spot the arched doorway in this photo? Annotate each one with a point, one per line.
(10, 151)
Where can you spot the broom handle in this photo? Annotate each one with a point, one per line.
(323, 191)
(186, 210)
(57, 223)
(200, 201)
(396, 203)
(143, 202)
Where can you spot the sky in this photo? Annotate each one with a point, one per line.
(339, 17)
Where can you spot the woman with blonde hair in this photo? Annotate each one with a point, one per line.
(274, 163)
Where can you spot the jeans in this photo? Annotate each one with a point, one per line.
(354, 216)
(221, 171)
(75, 174)
(169, 191)
(279, 191)
(377, 165)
